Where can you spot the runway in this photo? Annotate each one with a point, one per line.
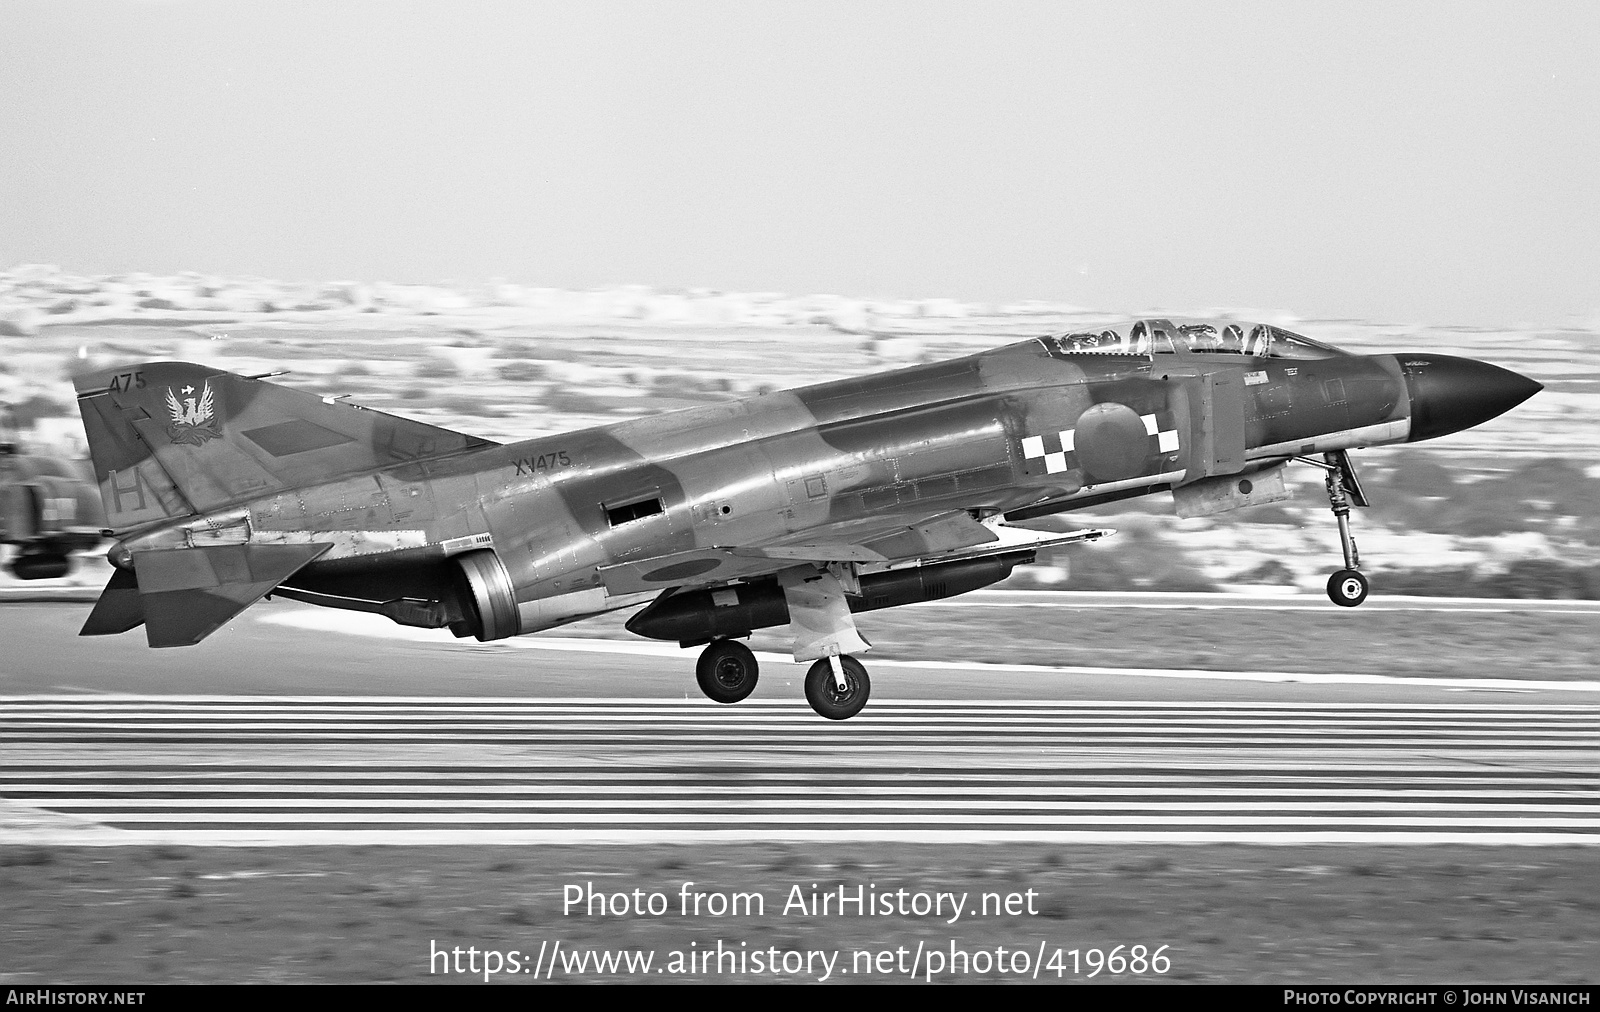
(1258, 601)
(301, 726)
(288, 770)
(339, 625)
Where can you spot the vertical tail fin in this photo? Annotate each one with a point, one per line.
(133, 487)
(172, 438)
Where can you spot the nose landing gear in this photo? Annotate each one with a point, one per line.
(1348, 587)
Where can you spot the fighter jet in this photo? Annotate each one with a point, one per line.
(48, 510)
(802, 507)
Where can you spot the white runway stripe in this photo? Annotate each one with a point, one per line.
(217, 770)
(803, 807)
(231, 703)
(603, 796)
(274, 837)
(924, 819)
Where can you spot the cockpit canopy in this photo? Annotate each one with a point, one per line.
(26, 467)
(1194, 337)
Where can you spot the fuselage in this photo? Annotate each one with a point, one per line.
(1042, 426)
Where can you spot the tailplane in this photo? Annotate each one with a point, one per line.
(181, 596)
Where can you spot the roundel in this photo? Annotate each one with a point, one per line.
(1111, 442)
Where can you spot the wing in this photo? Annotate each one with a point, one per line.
(873, 545)
(174, 409)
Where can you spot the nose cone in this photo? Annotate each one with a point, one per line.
(1450, 394)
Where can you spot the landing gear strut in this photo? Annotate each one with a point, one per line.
(1348, 587)
(727, 671)
(838, 694)
(837, 686)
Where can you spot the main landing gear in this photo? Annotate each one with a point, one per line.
(837, 685)
(727, 671)
(1348, 587)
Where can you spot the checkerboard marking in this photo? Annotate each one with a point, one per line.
(1166, 439)
(1052, 449)
(1056, 449)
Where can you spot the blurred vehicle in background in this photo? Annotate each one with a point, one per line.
(49, 508)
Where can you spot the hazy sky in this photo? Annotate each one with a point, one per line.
(1413, 162)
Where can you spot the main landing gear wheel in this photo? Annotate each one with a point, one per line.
(726, 671)
(825, 696)
(1347, 588)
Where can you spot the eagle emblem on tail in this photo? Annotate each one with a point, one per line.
(194, 419)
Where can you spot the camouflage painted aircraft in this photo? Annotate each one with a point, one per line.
(800, 507)
(48, 510)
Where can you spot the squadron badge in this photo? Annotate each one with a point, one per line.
(194, 421)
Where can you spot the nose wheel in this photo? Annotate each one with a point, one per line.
(1347, 588)
(727, 671)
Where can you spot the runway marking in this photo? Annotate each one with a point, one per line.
(257, 771)
(655, 705)
(1256, 602)
(354, 624)
(669, 837)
